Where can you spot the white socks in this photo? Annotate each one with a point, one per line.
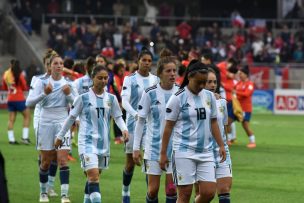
(11, 136)
(25, 133)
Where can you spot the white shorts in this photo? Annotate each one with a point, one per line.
(152, 168)
(89, 161)
(187, 171)
(223, 170)
(46, 135)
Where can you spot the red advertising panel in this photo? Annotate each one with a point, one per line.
(260, 77)
(289, 102)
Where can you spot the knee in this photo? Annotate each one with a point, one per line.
(152, 192)
(62, 161)
(208, 194)
(224, 188)
(45, 164)
(170, 189)
(93, 179)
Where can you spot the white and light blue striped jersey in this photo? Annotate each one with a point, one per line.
(152, 106)
(83, 84)
(37, 106)
(133, 87)
(94, 114)
(192, 131)
(222, 120)
(54, 106)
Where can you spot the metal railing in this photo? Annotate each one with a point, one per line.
(171, 20)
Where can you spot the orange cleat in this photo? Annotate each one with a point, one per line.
(70, 158)
(251, 145)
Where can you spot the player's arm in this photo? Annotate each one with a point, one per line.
(172, 112)
(38, 93)
(117, 115)
(125, 96)
(215, 129)
(76, 109)
(247, 92)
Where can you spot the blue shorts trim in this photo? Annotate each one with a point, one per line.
(247, 116)
(16, 106)
(230, 110)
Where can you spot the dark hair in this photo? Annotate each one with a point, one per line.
(165, 58)
(90, 64)
(245, 69)
(144, 51)
(79, 67)
(210, 70)
(207, 56)
(193, 68)
(181, 70)
(96, 69)
(68, 63)
(117, 67)
(102, 56)
(234, 63)
(16, 70)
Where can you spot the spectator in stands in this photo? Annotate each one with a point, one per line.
(118, 8)
(108, 50)
(151, 12)
(53, 7)
(37, 14)
(67, 6)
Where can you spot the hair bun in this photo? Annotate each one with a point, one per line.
(165, 53)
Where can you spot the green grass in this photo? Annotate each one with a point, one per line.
(273, 172)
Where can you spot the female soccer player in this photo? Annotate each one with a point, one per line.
(95, 109)
(55, 94)
(244, 90)
(53, 166)
(151, 108)
(133, 87)
(223, 173)
(15, 83)
(192, 117)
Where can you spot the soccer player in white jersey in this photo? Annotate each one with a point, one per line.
(53, 166)
(84, 83)
(191, 116)
(95, 109)
(152, 108)
(133, 87)
(223, 171)
(54, 94)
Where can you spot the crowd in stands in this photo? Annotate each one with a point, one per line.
(249, 42)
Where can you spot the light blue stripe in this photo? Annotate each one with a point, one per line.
(100, 142)
(201, 129)
(89, 126)
(80, 85)
(134, 102)
(155, 127)
(186, 125)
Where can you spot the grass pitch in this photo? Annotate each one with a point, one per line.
(273, 172)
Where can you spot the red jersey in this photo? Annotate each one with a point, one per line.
(15, 92)
(226, 82)
(244, 91)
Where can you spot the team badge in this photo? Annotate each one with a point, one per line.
(109, 104)
(87, 159)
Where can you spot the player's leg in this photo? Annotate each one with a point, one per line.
(26, 123)
(248, 131)
(171, 195)
(46, 157)
(127, 177)
(64, 171)
(11, 120)
(153, 174)
(205, 175)
(223, 181)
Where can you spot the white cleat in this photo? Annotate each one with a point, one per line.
(65, 199)
(44, 198)
(51, 192)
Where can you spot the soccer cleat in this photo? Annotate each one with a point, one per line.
(25, 141)
(44, 198)
(51, 192)
(251, 145)
(13, 142)
(70, 158)
(65, 199)
(118, 140)
(125, 199)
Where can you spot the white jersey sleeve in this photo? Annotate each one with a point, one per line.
(125, 95)
(173, 108)
(213, 113)
(115, 110)
(36, 95)
(144, 105)
(224, 105)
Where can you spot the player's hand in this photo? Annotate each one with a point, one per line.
(77, 122)
(217, 96)
(222, 152)
(58, 143)
(163, 162)
(66, 89)
(48, 89)
(125, 136)
(137, 157)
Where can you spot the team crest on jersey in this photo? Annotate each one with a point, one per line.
(87, 159)
(180, 177)
(221, 109)
(208, 102)
(109, 104)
